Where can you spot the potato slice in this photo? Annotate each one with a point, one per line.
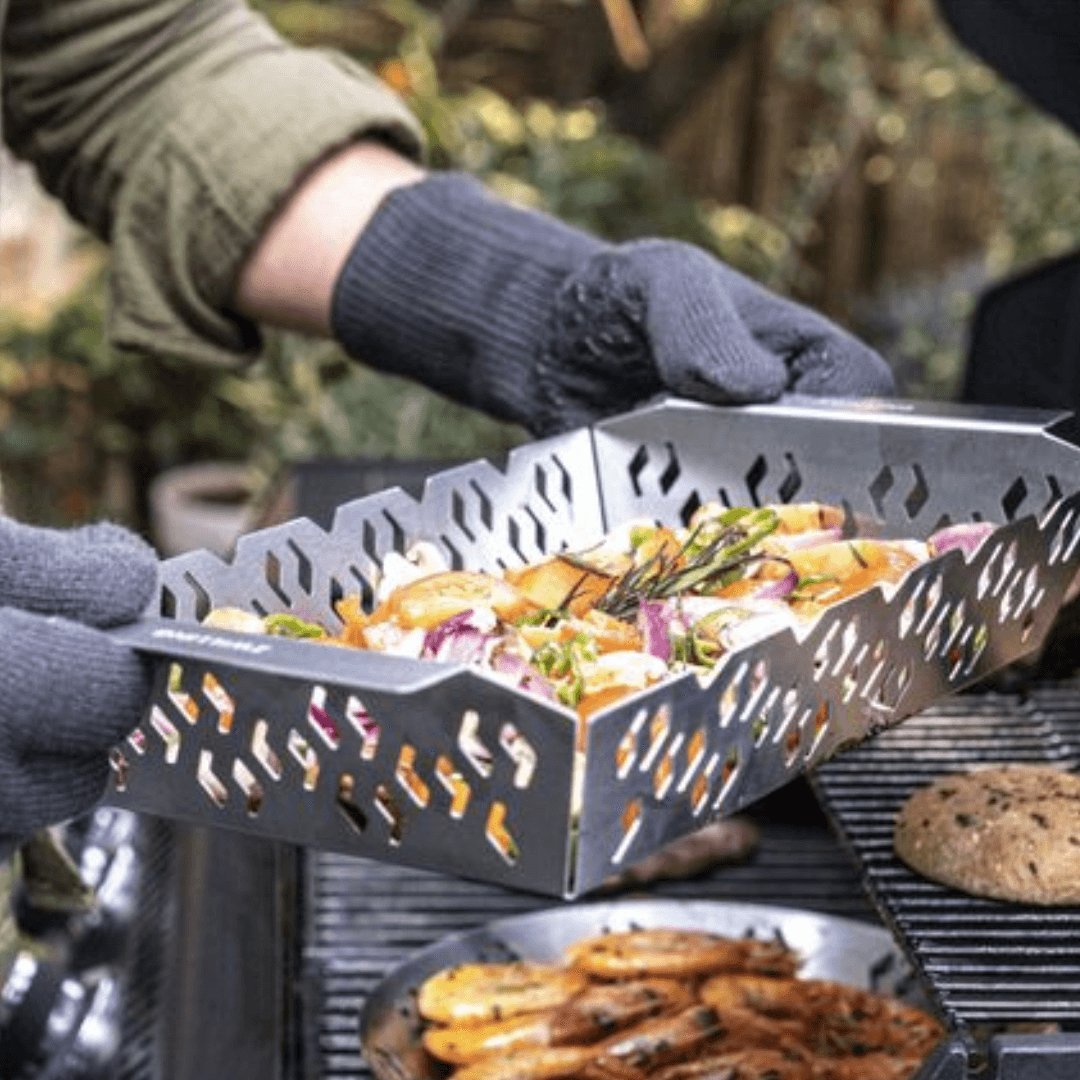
(548, 584)
(429, 601)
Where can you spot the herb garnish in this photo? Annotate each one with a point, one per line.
(711, 554)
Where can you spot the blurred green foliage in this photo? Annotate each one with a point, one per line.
(84, 429)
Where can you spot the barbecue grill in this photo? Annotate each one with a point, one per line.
(249, 958)
(245, 957)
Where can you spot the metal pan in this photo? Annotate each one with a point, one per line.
(832, 948)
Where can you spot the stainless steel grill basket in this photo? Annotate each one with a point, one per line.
(448, 768)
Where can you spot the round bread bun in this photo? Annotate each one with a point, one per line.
(1010, 833)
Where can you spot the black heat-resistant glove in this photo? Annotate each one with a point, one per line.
(516, 313)
(68, 692)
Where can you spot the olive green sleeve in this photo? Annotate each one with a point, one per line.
(175, 129)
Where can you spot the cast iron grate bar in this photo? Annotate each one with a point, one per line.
(987, 962)
(137, 1055)
(364, 918)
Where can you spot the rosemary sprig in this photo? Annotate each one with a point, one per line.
(695, 566)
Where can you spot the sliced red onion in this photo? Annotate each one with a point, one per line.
(654, 622)
(777, 589)
(434, 638)
(524, 674)
(457, 639)
(363, 721)
(324, 722)
(966, 536)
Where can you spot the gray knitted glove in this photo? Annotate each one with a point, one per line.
(516, 313)
(67, 691)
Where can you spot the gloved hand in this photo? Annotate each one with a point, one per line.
(515, 312)
(67, 691)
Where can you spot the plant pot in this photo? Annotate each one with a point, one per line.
(207, 505)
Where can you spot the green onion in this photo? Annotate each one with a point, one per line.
(289, 626)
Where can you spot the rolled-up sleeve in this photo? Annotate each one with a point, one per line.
(175, 129)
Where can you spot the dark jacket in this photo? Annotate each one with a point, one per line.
(1025, 340)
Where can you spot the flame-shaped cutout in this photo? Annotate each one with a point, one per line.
(521, 752)
(659, 729)
(263, 752)
(699, 795)
(387, 805)
(320, 720)
(499, 835)
(182, 701)
(168, 732)
(253, 791)
(347, 804)
(695, 755)
(470, 744)
(627, 750)
(120, 766)
(221, 700)
(729, 773)
(406, 776)
(364, 725)
(209, 781)
(456, 784)
(630, 823)
(664, 774)
(304, 754)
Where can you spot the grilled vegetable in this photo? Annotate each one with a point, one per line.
(429, 601)
(562, 584)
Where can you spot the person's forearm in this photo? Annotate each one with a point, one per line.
(288, 281)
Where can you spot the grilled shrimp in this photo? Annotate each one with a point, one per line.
(677, 954)
(743, 1029)
(768, 996)
(596, 1013)
(531, 1064)
(762, 1064)
(840, 1019)
(465, 1043)
(866, 1067)
(609, 1008)
(475, 993)
(862, 1023)
(661, 1042)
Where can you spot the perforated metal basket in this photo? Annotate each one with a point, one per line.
(446, 767)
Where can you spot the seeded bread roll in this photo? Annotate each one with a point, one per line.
(1010, 833)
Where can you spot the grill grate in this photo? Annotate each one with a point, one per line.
(986, 961)
(364, 918)
(137, 1057)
